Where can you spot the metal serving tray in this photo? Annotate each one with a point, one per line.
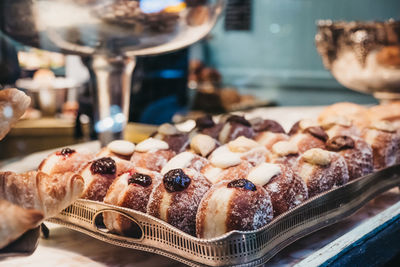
(250, 248)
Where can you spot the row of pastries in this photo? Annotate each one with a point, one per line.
(234, 174)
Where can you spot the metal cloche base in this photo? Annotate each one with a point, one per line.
(251, 248)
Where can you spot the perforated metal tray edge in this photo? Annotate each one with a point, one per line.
(251, 248)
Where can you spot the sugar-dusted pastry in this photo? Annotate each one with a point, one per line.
(268, 132)
(233, 205)
(216, 174)
(185, 160)
(48, 194)
(66, 160)
(321, 170)
(132, 190)
(386, 112)
(13, 104)
(203, 144)
(234, 127)
(152, 154)
(306, 134)
(285, 188)
(118, 148)
(384, 138)
(176, 140)
(176, 199)
(99, 175)
(357, 114)
(284, 152)
(356, 152)
(206, 125)
(335, 126)
(15, 220)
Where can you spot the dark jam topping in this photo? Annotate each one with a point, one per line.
(176, 180)
(204, 122)
(295, 128)
(103, 166)
(140, 179)
(239, 119)
(268, 125)
(242, 183)
(66, 152)
(318, 132)
(338, 143)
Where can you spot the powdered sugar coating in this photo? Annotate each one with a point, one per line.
(182, 210)
(152, 160)
(306, 141)
(246, 210)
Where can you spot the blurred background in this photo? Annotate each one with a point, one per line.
(260, 53)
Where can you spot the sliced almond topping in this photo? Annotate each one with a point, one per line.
(203, 144)
(284, 148)
(317, 156)
(121, 147)
(167, 129)
(386, 126)
(151, 144)
(307, 123)
(242, 144)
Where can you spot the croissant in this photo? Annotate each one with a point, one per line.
(15, 220)
(13, 104)
(40, 191)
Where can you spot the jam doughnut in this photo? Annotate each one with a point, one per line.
(65, 160)
(185, 160)
(384, 139)
(176, 140)
(268, 132)
(336, 126)
(356, 152)
(321, 170)
(233, 205)
(216, 174)
(285, 188)
(306, 135)
(99, 175)
(118, 148)
(152, 154)
(234, 127)
(175, 200)
(132, 190)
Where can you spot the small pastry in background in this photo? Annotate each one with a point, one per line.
(306, 134)
(386, 112)
(268, 132)
(284, 152)
(176, 199)
(13, 104)
(356, 152)
(357, 114)
(285, 188)
(152, 154)
(132, 190)
(15, 220)
(100, 173)
(117, 148)
(234, 127)
(66, 160)
(176, 140)
(185, 160)
(321, 170)
(336, 126)
(233, 205)
(384, 138)
(48, 194)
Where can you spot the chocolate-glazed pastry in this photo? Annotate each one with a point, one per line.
(286, 189)
(65, 160)
(384, 139)
(175, 200)
(99, 175)
(321, 170)
(132, 190)
(234, 127)
(306, 135)
(260, 125)
(233, 205)
(206, 125)
(152, 154)
(356, 152)
(176, 140)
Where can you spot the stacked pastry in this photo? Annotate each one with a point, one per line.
(235, 174)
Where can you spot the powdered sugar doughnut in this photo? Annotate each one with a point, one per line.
(176, 140)
(185, 160)
(307, 136)
(99, 175)
(132, 190)
(152, 154)
(234, 127)
(284, 152)
(216, 174)
(233, 205)
(286, 189)
(335, 126)
(65, 160)
(176, 199)
(321, 170)
(356, 152)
